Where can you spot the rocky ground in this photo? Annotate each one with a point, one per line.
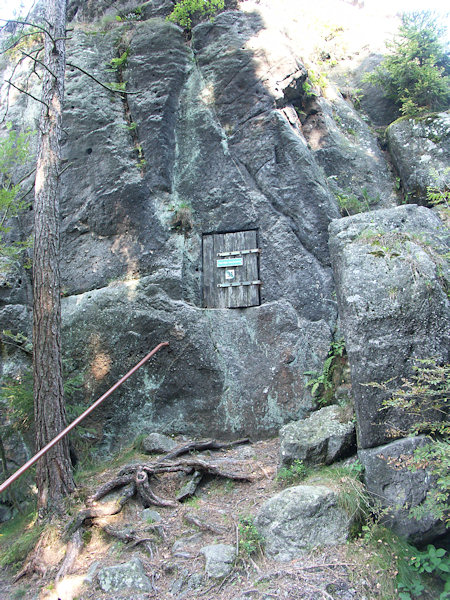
(184, 552)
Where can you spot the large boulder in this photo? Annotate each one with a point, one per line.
(391, 289)
(397, 488)
(322, 438)
(201, 385)
(158, 443)
(301, 518)
(420, 149)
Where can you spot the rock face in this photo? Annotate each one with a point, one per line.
(345, 147)
(322, 438)
(398, 489)
(211, 142)
(420, 149)
(390, 280)
(301, 518)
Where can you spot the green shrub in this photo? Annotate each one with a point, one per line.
(185, 10)
(414, 74)
(250, 540)
(117, 64)
(425, 395)
(314, 84)
(292, 474)
(13, 153)
(432, 561)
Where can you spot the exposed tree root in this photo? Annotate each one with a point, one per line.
(104, 510)
(128, 537)
(73, 550)
(134, 480)
(199, 446)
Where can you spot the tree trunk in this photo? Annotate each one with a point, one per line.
(54, 472)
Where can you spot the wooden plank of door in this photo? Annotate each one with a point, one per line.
(222, 294)
(209, 286)
(237, 295)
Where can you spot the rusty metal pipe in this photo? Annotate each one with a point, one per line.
(74, 423)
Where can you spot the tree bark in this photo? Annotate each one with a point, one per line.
(54, 472)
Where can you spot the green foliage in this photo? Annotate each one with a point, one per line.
(292, 474)
(350, 204)
(413, 74)
(321, 383)
(438, 194)
(16, 396)
(185, 10)
(133, 15)
(13, 153)
(17, 538)
(432, 561)
(250, 540)
(131, 127)
(314, 84)
(425, 395)
(117, 64)
(117, 86)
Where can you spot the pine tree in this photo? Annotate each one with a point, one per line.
(54, 473)
(414, 74)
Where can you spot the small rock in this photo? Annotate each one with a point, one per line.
(158, 443)
(151, 516)
(320, 439)
(219, 559)
(130, 575)
(91, 572)
(301, 518)
(185, 544)
(190, 487)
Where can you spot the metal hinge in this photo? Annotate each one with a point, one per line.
(237, 252)
(225, 285)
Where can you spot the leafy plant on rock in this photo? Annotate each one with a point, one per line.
(185, 10)
(321, 382)
(432, 561)
(425, 395)
(415, 73)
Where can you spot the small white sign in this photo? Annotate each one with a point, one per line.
(234, 261)
(230, 274)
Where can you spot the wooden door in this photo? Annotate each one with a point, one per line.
(231, 270)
